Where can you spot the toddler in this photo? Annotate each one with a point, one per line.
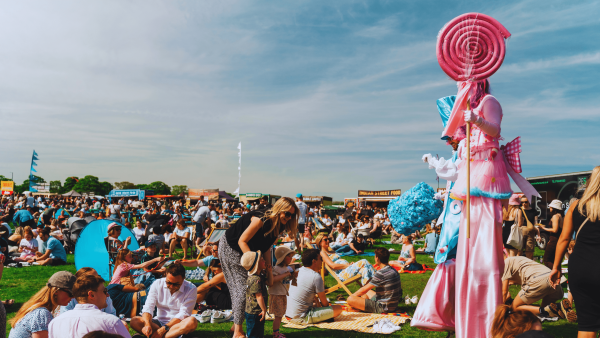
(278, 289)
(256, 293)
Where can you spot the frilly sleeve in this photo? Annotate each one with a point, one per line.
(445, 169)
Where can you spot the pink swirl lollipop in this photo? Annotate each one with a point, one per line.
(471, 47)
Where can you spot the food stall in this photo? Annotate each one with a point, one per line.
(377, 198)
(317, 200)
(140, 194)
(209, 194)
(254, 197)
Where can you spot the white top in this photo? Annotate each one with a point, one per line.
(138, 232)
(29, 246)
(181, 233)
(303, 208)
(178, 305)
(85, 318)
(114, 208)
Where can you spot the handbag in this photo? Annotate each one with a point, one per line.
(529, 226)
(515, 238)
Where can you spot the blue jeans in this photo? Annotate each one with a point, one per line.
(254, 327)
(345, 250)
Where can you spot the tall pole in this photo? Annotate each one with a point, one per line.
(468, 173)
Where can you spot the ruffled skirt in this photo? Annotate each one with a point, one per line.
(489, 177)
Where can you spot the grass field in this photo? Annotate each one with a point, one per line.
(22, 283)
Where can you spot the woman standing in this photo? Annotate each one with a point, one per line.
(509, 216)
(527, 219)
(255, 231)
(583, 218)
(555, 229)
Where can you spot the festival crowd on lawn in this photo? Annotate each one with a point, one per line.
(269, 262)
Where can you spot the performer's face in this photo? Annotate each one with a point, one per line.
(454, 144)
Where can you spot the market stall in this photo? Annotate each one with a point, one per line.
(254, 197)
(317, 200)
(377, 198)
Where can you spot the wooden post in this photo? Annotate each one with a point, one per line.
(469, 173)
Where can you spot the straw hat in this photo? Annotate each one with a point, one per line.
(281, 252)
(515, 199)
(250, 261)
(555, 204)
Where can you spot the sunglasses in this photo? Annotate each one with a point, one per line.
(326, 239)
(172, 284)
(68, 292)
(289, 214)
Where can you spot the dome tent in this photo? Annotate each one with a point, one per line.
(90, 250)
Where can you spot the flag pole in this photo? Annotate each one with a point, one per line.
(468, 173)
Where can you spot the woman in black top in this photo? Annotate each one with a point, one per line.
(556, 225)
(255, 231)
(584, 274)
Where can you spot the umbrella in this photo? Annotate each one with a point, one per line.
(72, 193)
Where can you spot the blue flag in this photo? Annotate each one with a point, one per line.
(35, 171)
(34, 153)
(34, 158)
(33, 164)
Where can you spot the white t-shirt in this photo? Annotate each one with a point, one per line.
(114, 209)
(303, 208)
(182, 233)
(97, 205)
(29, 246)
(138, 232)
(309, 284)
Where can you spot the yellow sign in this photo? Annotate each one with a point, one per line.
(8, 185)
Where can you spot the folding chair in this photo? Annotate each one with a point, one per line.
(339, 284)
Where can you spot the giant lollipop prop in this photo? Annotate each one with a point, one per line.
(470, 48)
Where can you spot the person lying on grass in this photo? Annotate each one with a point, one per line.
(388, 290)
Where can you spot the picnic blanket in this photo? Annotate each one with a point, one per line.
(367, 254)
(425, 269)
(353, 321)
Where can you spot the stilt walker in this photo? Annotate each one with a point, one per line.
(470, 49)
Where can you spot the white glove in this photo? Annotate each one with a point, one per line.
(438, 196)
(471, 117)
(426, 158)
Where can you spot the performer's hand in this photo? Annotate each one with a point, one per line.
(426, 158)
(555, 278)
(470, 116)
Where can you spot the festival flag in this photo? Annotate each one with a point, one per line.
(237, 191)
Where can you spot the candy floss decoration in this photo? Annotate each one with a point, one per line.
(415, 208)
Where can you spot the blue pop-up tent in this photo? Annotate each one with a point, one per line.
(90, 250)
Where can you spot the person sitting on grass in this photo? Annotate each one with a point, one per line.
(86, 317)
(181, 235)
(512, 323)
(214, 291)
(386, 282)
(431, 241)
(173, 298)
(342, 268)
(535, 285)
(55, 253)
(123, 265)
(356, 246)
(211, 250)
(151, 252)
(28, 246)
(407, 261)
(109, 304)
(307, 303)
(33, 318)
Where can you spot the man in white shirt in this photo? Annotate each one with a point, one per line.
(201, 202)
(174, 299)
(86, 317)
(199, 218)
(301, 220)
(115, 210)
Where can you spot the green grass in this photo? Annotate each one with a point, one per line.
(21, 283)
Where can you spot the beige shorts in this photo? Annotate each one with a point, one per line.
(540, 288)
(277, 305)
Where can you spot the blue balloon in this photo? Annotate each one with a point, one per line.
(90, 250)
(410, 211)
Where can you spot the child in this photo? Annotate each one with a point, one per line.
(256, 293)
(27, 247)
(278, 290)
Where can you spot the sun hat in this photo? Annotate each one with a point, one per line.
(250, 261)
(112, 225)
(62, 280)
(555, 204)
(515, 199)
(281, 252)
(299, 195)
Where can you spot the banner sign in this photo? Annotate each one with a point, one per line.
(350, 202)
(379, 193)
(312, 198)
(140, 194)
(211, 194)
(42, 187)
(254, 195)
(8, 185)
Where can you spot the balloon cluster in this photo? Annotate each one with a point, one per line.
(415, 208)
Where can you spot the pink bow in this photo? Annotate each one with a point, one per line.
(511, 151)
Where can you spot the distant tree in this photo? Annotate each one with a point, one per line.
(2, 178)
(25, 186)
(69, 184)
(159, 188)
(141, 186)
(91, 184)
(55, 187)
(178, 189)
(124, 185)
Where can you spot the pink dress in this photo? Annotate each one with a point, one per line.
(479, 260)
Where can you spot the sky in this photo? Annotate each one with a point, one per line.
(326, 97)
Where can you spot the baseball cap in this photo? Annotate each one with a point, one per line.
(299, 195)
(149, 243)
(62, 280)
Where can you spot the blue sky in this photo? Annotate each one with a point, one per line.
(326, 97)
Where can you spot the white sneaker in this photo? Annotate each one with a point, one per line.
(205, 317)
(407, 300)
(220, 317)
(414, 300)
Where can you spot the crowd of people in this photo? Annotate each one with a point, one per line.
(271, 260)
